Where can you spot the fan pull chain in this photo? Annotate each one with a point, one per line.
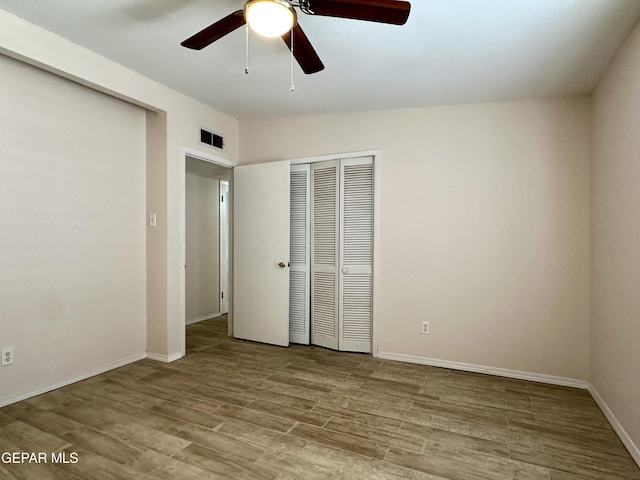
(246, 52)
(293, 86)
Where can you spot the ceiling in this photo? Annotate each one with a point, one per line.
(449, 52)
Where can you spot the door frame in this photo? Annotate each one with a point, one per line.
(206, 157)
(377, 159)
(224, 244)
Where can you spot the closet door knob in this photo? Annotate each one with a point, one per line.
(345, 270)
(282, 264)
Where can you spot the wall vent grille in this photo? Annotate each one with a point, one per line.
(212, 139)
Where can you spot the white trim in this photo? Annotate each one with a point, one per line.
(335, 156)
(182, 280)
(500, 372)
(83, 376)
(202, 318)
(208, 157)
(377, 158)
(223, 242)
(164, 358)
(633, 449)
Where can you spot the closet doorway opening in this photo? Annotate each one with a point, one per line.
(275, 265)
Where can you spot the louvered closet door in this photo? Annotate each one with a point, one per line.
(356, 247)
(324, 254)
(299, 256)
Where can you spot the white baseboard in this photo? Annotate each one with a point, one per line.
(619, 429)
(164, 358)
(202, 318)
(500, 372)
(92, 373)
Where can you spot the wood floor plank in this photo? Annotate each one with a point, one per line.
(147, 438)
(220, 442)
(101, 444)
(375, 419)
(261, 419)
(253, 434)
(470, 466)
(291, 413)
(226, 466)
(92, 466)
(31, 439)
(604, 440)
(184, 414)
(171, 468)
(222, 396)
(39, 471)
(402, 439)
(339, 440)
(585, 466)
(438, 439)
(283, 399)
(45, 420)
(322, 462)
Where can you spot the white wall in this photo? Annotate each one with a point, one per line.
(484, 225)
(615, 239)
(72, 232)
(203, 246)
(176, 125)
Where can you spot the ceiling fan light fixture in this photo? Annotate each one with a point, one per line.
(270, 18)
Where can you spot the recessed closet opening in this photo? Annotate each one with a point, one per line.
(305, 252)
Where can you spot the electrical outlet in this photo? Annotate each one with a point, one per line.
(7, 356)
(425, 328)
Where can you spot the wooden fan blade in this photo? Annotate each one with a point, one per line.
(303, 51)
(395, 12)
(216, 31)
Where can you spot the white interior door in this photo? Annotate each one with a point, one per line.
(355, 292)
(261, 253)
(224, 246)
(299, 271)
(324, 254)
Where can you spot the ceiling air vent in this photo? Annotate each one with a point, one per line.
(210, 138)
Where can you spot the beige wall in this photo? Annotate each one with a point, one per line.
(615, 238)
(179, 122)
(156, 185)
(203, 246)
(484, 225)
(72, 243)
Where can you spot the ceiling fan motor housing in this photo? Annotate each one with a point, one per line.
(270, 18)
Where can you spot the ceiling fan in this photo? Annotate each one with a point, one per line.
(278, 18)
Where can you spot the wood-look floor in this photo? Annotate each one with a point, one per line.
(240, 410)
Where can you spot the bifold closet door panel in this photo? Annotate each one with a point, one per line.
(299, 256)
(324, 253)
(355, 287)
